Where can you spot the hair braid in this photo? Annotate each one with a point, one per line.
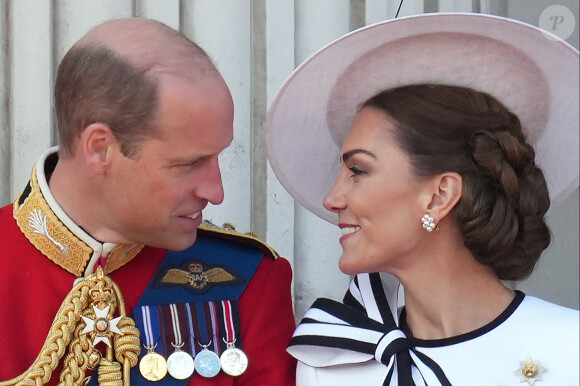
(505, 197)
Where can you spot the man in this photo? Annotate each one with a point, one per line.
(142, 116)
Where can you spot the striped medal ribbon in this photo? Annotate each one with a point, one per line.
(207, 362)
(233, 360)
(180, 364)
(198, 338)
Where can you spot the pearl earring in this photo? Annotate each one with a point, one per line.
(429, 223)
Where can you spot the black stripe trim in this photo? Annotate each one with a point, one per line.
(437, 370)
(389, 376)
(404, 371)
(381, 300)
(463, 337)
(325, 341)
(392, 348)
(351, 301)
(348, 314)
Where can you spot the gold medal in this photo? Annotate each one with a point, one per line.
(233, 361)
(153, 366)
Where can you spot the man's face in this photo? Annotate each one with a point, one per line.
(156, 199)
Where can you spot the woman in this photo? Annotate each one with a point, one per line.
(439, 189)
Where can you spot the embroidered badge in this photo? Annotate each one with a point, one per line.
(199, 278)
(37, 222)
(529, 371)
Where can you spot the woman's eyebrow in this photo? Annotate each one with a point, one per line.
(350, 153)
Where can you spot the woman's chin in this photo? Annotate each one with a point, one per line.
(348, 267)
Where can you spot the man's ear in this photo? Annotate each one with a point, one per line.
(97, 142)
(447, 190)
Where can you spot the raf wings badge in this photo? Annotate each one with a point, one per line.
(199, 278)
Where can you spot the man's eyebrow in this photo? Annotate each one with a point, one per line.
(350, 153)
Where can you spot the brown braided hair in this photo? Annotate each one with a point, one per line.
(505, 197)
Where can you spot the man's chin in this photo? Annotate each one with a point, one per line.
(178, 244)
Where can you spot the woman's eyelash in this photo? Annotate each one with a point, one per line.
(356, 171)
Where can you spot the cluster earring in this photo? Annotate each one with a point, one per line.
(429, 223)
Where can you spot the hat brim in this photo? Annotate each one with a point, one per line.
(534, 73)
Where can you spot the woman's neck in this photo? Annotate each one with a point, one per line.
(446, 297)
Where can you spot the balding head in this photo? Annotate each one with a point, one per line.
(112, 74)
(150, 45)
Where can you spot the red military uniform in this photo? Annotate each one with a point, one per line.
(43, 253)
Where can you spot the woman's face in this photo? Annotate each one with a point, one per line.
(378, 200)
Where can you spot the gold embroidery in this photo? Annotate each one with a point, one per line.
(121, 255)
(53, 239)
(229, 230)
(61, 245)
(197, 277)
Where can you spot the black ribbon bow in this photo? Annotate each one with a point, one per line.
(364, 326)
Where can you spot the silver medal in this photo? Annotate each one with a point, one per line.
(233, 361)
(180, 364)
(207, 363)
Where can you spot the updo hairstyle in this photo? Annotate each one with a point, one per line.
(505, 197)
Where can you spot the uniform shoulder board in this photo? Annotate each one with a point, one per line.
(228, 231)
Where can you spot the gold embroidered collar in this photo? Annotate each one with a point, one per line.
(56, 236)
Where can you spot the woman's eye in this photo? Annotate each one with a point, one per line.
(356, 171)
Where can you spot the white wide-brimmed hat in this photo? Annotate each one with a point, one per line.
(534, 73)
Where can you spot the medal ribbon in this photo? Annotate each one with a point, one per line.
(215, 327)
(202, 324)
(192, 335)
(148, 325)
(193, 324)
(360, 329)
(177, 316)
(228, 321)
(231, 320)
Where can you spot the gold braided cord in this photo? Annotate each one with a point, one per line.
(128, 345)
(110, 373)
(65, 336)
(76, 361)
(57, 340)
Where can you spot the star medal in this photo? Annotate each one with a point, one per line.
(152, 366)
(180, 364)
(529, 371)
(101, 325)
(233, 360)
(207, 363)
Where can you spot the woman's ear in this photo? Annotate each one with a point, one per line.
(447, 190)
(97, 141)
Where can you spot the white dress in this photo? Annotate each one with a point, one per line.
(531, 332)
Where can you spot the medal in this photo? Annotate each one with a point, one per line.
(180, 364)
(152, 366)
(207, 363)
(233, 360)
